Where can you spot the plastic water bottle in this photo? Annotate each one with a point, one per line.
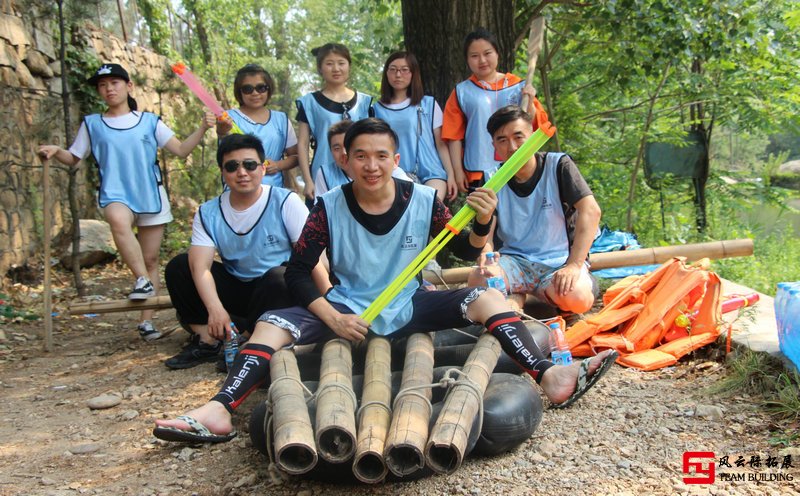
(231, 346)
(495, 281)
(560, 354)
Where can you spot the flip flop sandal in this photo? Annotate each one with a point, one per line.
(198, 434)
(585, 382)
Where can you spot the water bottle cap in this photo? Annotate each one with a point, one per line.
(490, 254)
(554, 325)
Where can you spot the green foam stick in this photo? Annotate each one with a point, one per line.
(459, 221)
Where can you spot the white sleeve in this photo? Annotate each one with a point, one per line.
(401, 174)
(81, 147)
(294, 215)
(291, 137)
(320, 186)
(199, 235)
(163, 134)
(437, 115)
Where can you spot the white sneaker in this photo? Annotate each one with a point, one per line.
(148, 331)
(142, 290)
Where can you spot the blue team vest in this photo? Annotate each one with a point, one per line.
(366, 263)
(319, 120)
(273, 135)
(414, 128)
(250, 255)
(534, 227)
(127, 162)
(478, 104)
(333, 175)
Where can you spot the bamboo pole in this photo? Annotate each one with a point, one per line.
(336, 404)
(110, 306)
(448, 441)
(47, 225)
(714, 250)
(295, 452)
(373, 426)
(408, 433)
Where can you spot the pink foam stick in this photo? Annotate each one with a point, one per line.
(197, 88)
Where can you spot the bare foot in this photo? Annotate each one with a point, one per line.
(560, 381)
(212, 415)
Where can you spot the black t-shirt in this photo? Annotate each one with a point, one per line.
(315, 237)
(572, 187)
(327, 104)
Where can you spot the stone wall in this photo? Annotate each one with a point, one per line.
(31, 114)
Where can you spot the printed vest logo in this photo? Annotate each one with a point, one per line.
(271, 240)
(546, 205)
(409, 243)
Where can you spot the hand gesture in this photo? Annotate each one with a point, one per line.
(564, 279)
(219, 323)
(350, 327)
(224, 125)
(484, 201)
(308, 190)
(48, 151)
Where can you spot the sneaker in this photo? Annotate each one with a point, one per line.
(148, 331)
(142, 290)
(194, 354)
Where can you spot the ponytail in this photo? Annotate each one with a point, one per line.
(132, 103)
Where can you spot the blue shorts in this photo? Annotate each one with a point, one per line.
(533, 278)
(433, 311)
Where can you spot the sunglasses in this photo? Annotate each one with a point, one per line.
(233, 165)
(259, 88)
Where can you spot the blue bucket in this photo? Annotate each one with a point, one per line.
(787, 315)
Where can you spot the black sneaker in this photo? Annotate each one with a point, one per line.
(147, 331)
(142, 290)
(194, 354)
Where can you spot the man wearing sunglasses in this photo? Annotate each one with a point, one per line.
(252, 226)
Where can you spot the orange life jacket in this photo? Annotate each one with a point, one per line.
(639, 311)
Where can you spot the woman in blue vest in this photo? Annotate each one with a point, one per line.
(124, 142)
(417, 120)
(318, 110)
(253, 89)
(471, 104)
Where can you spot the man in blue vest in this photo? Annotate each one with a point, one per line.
(546, 220)
(371, 229)
(252, 227)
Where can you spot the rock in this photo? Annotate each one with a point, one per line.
(96, 245)
(186, 454)
(792, 166)
(37, 64)
(249, 480)
(129, 415)
(709, 411)
(83, 449)
(104, 401)
(548, 449)
(2, 336)
(623, 463)
(8, 57)
(46, 481)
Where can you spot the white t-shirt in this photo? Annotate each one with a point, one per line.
(437, 110)
(82, 146)
(321, 187)
(294, 213)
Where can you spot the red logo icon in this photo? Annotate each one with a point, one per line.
(702, 464)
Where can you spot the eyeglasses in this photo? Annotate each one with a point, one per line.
(404, 71)
(233, 165)
(259, 88)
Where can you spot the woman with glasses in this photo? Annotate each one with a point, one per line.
(317, 111)
(471, 104)
(417, 120)
(253, 88)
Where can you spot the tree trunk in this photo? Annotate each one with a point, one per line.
(72, 187)
(697, 113)
(205, 49)
(434, 31)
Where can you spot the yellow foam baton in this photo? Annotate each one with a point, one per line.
(459, 221)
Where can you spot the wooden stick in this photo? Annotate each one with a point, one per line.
(535, 38)
(448, 441)
(110, 306)
(336, 406)
(47, 225)
(293, 436)
(408, 433)
(373, 426)
(626, 258)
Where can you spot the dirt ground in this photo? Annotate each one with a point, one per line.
(628, 436)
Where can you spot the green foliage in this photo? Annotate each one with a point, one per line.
(759, 375)
(8, 312)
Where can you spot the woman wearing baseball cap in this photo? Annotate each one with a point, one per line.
(124, 142)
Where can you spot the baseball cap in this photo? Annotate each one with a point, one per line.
(108, 70)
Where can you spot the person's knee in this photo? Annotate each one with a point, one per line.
(490, 302)
(579, 300)
(271, 335)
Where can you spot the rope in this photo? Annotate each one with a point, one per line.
(337, 385)
(370, 403)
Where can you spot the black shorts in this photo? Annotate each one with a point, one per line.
(433, 311)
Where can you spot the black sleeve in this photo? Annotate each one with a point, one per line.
(572, 187)
(301, 112)
(314, 239)
(460, 245)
